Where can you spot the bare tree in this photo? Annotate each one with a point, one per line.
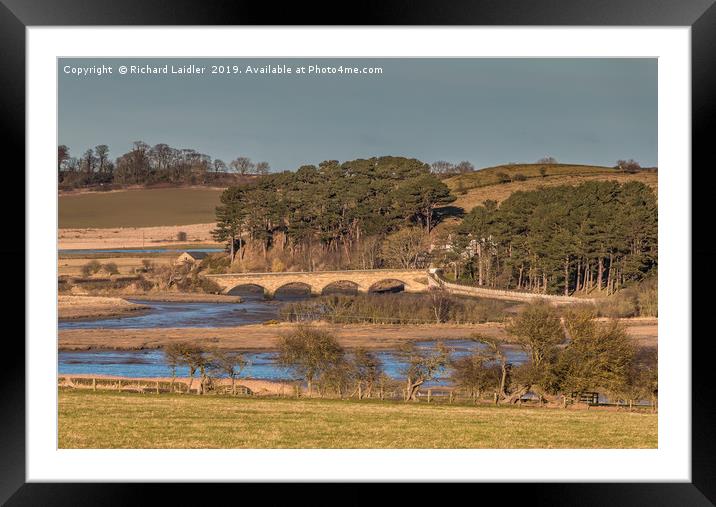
(547, 160)
(262, 168)
(367, 369)
(421, 365)
(493, 353)
(441, 303)
(242, 165)
(219, 166)
(229, 362)
(102, 153)
(442, 167)
(464, 167)
(192, 357)
(173, 358)
(89, 161)
(63, 154)
(629, 166)
(405, 248)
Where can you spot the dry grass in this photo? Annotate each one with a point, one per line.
(265, 337)
(136, 237)
(138, 208)
(126, 420)
(125, 265)
(474, 189)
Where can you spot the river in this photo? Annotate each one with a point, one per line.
(91, 251)
(151, 363)
(180, 314)
(261, 365)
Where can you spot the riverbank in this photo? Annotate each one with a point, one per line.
(95, 307)
(183, 297)
(88, 419)
(158, 296)
(266, 336)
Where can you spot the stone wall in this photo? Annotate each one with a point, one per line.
(413, 280)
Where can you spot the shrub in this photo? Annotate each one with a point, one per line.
(648, 298)
(181, 236)
(503, 177)
(91, 268)
(110, 268)
(395, 309)
(519, 177)
(543, 171)
(215, 263)
(640, 300)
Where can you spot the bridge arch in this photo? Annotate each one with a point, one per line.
(289, 288)
(341, 287)
(387, 285)
(251, 289)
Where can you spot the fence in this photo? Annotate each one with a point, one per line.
(179, 386)
(438, 395)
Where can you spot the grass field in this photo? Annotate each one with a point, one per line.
(138, 208)
(472, 189)
(126, 420)
(125, 265)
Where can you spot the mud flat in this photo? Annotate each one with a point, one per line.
(183, 297)
(91, 307)
(266, 336)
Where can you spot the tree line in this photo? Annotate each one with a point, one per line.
(382, 212)
(566, 354)
(345, 209)
(601, 235)
(145, 164)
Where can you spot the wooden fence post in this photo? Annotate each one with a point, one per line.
(430, 392)
(119, 385)
(450, 397)
(94, 384)
(157, 387)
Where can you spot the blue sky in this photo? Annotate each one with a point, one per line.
(487, 111)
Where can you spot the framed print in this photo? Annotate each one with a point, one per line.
(460, 239)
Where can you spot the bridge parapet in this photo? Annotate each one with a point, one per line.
(317, 281)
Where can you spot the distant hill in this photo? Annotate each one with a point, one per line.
(138, 208)
(498, 183)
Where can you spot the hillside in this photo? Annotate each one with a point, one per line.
(498, 183)
(182, 205)
(138, 208)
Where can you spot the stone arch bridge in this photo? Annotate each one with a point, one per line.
(413, 280)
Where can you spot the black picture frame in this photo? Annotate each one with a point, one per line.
(700, 15)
